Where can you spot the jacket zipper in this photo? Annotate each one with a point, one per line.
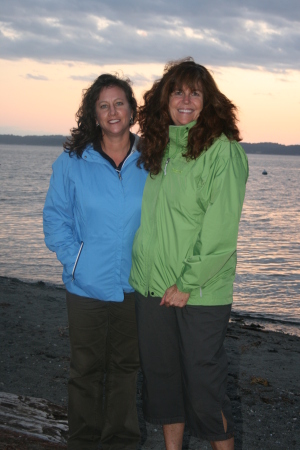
(149, 258)
(119, 171)
(76, 261)
(165, 169)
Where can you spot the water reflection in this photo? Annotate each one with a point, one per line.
(268, 272)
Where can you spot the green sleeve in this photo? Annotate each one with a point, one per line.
(217, 239)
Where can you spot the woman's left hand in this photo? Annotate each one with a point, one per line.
(173, 297)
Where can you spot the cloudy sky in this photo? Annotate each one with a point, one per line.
(51, 50)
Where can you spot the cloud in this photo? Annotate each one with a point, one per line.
(29, 76)
(258, 33)
(140, 79)
(89, 78)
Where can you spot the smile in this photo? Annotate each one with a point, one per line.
(188, 111)
(114, 121)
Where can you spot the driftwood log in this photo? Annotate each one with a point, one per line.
(32, 419)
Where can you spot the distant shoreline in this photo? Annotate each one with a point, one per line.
(265, 148)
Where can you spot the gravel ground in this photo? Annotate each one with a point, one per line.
(263, 381)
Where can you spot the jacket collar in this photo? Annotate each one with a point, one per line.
(91, 155)
(179, 137)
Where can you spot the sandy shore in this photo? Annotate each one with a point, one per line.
(264, 367)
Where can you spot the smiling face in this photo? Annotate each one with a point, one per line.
(185, 105)
(113, 111)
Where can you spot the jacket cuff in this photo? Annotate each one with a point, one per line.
(181, 287)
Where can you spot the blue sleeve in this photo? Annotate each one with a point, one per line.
(58, 216)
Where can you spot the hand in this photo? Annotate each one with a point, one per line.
(173, 297)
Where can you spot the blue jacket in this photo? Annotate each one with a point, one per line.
(90, 218)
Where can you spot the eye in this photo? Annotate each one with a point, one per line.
(177, 92)
(196, 93)
(103, 106)
(119, 103)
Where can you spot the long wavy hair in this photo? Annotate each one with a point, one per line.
(86, 131)
(217, 116)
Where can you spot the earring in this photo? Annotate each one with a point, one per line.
(97, 124)
(131, 121)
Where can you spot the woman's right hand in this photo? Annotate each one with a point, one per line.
(173, 297)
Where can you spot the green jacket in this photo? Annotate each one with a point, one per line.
(189, 225)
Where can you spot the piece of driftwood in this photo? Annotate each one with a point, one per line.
(33, 417)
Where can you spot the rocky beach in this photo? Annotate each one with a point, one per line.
(263, 380)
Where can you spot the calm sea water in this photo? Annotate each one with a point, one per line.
(267, 287)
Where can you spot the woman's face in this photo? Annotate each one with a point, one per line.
(185, 105)
(113, 111)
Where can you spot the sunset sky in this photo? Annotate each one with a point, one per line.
(51, 50)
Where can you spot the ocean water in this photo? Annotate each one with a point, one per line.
(267, 287)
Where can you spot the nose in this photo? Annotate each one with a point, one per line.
(186, 97)
(112, 110)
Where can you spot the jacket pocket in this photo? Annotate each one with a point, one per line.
(76, 260)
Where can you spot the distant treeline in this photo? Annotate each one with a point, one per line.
(270, 148)
(52, 140)
(267, 148)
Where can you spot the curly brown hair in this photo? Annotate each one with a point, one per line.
(217, 116)
(86, 131)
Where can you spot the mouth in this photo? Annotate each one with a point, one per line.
(185, 111)
(114, 121)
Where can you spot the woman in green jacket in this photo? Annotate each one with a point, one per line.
(184, 253)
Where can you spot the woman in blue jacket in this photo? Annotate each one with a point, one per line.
(91, 214)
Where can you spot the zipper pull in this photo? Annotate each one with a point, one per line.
(77, 259)
(165, 169)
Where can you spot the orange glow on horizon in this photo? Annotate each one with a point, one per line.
(39, 98)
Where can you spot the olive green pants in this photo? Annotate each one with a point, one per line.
(103, 373)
